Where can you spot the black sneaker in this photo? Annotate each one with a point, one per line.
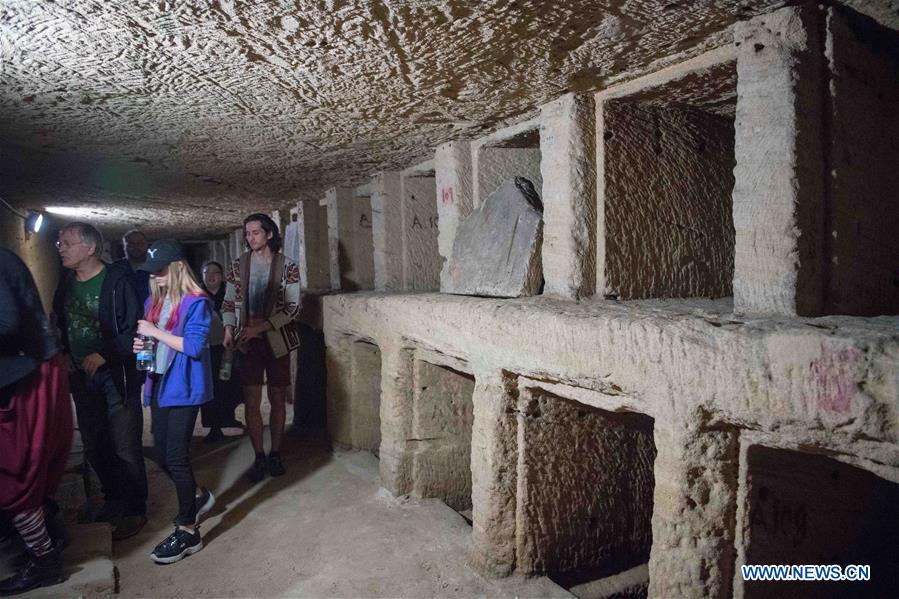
(176, 546)
(205, 501)
(215, 435)
(275, 467)
(258, 469)
(110, 511)
(40, 571)
(128, 526)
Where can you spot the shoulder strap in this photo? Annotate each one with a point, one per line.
(243, 271)
(274, 283)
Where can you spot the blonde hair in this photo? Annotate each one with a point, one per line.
(182, 282)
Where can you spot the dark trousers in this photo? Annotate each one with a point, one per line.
(172, 429)
(226, 395)
(111, 427)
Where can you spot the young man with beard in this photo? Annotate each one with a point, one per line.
(262, 300)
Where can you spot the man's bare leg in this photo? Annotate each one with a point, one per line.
(278, 416)
(252, 396)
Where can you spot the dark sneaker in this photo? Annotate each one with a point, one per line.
(275, 467)
(109, 512)
(205, 501)
(258, 469)
(40, 571)
(215, 435)
(128, 526)
(176, 546)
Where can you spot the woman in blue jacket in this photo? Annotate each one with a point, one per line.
(178, 315)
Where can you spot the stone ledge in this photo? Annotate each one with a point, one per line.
(669, 359)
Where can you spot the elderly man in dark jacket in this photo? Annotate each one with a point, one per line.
(97, 309)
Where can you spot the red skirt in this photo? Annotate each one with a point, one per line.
(35, 437)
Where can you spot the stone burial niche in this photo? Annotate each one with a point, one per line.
(496, 245)
(354, 394)
(440, 445)
(666, 160)
(811, 509)
(585, 493)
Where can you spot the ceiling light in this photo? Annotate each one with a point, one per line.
(69, 210)
(33, 221)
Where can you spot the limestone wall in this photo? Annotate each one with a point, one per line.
(37, 252)
(493, 166)
(862, 252)
(668, 225)
(420, 260)
(711, 382)
(688, 431)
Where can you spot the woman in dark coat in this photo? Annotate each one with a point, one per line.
(219, 413)
(35, 422)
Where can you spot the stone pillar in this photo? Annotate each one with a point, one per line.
(338, 363)
(779, 176)
(366, 394)
(421, 261)
(310, 258)
(363, 252)
(341, 238)
(452, 169)
(493, 473)
(387, 231)
(568, 168)
(396, 418)
(694, 511)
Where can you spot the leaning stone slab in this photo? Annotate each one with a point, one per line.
(497, 247)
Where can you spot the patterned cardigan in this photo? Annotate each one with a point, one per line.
(282, 304)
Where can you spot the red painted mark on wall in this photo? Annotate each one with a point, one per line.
(446, 196)
(833, 375)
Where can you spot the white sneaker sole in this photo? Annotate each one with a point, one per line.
(171, 560)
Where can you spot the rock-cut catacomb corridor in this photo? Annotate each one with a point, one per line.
(597, 298)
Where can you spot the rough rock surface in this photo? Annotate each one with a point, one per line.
(497, 248)
(193, 110)
(715, 384)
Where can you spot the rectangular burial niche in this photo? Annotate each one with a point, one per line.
(366, 396)
(585, 492)
(443, 414)
(667, 208)
(501, 160)
(811, 509)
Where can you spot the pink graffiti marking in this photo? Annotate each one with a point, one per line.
(833, 376)
(446, 196)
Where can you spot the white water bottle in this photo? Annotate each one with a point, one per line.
(225, 369)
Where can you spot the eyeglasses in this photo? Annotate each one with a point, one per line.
(60, 245)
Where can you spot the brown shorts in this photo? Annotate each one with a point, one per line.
(258, 365)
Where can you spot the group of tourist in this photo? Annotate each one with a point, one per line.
(103, 315)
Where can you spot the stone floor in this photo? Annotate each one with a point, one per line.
(326, 529)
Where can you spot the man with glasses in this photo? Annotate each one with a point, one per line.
(96, 309)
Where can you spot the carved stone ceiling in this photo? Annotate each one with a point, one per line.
(181, 116)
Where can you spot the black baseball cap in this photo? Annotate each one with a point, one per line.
(161, 254)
